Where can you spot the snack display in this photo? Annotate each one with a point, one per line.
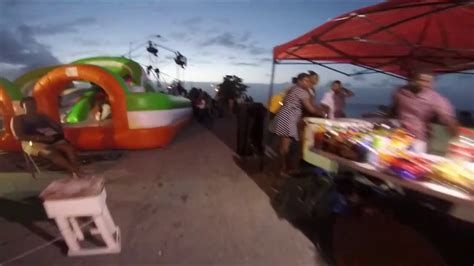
(414, 168)
(356, 142)
(462, 147)
(452, 173)
(389, 149)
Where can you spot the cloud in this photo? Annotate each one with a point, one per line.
(206, 53)
(222, 21)
(74, 55)
(245, 37)
(190, 28)
(245, 64)
(90, 42)
(231, 57)
(234, 41)
(204, 62)
(192, 24)
(191, 21)
(210, 30)
(257, 50)
(225, 39)
(164, 39)
(67, 27)
(21, 51)
(265, 60)
(179, 36)
(201, 34)
(359, 78)
(85, 53)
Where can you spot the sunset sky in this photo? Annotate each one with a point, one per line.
(218, 37)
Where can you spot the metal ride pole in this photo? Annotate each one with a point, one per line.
(267, 116)
(177, 72)
(165, 48)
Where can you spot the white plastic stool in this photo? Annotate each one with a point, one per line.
(65, 212)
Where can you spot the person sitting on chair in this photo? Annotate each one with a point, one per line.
(42, 136)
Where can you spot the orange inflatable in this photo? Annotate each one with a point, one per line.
(116, 135)
(8, 94)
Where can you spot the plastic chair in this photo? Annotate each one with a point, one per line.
(30, 162)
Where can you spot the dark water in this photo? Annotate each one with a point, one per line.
(366, 99)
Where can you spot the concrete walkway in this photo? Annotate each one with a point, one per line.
(189, 204)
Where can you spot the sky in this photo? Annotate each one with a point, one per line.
(218, 37)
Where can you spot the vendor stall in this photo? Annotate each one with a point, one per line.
(393, 38)
(386, 153)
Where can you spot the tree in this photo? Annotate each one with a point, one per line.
(231, 87)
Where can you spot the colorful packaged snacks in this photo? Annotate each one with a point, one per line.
(414, 168)
(455, 174)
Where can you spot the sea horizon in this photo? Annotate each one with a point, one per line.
(366, 99)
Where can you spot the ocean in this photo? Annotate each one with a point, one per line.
(366, 99)
(355, 106)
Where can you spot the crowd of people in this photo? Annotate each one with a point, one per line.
(177, 89)
(206, 108)
(415, 105)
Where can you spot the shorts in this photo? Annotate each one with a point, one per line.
(34, 148)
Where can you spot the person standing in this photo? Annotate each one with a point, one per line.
(314, 79)
(417, 104)
(286, 120)
(334, 101)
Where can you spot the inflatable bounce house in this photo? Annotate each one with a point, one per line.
(10, 97)
(139, 120)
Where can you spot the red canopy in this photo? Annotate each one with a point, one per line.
(393, 36)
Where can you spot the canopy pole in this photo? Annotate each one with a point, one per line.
(270, 89)
(319, 64)
(379, 71)
(267, 116)
(331, 68)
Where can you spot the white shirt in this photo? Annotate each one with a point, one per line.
(106, 111)
(335, 102)
(328, 100)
